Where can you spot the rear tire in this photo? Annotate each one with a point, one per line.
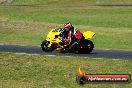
(87, 46)
(84, 47)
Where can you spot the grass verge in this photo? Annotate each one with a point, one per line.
(41, 71)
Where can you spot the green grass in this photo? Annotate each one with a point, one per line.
(32, 33)
(28, 24)
(19, 32)
(93, 16)
(71, 2)
(39, 71)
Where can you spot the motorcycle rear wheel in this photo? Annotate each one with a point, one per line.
(84, 47)
(87, 46)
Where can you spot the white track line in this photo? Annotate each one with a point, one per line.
(65, 56)
(50, 55)
(27, 54)
(1, 43)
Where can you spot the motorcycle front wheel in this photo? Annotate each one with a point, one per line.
(44, 46)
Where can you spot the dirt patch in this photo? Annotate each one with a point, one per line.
(116, 5)
(6, 0)
(25, 26)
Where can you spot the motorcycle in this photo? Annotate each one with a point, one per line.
(54, 41)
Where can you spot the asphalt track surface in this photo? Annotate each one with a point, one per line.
(96, 53)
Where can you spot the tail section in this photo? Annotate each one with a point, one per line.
(88, 34)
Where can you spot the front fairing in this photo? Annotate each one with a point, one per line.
(52, 36)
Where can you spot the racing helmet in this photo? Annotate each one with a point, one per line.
(68, 26)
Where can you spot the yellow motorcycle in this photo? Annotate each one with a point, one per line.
(54, 41)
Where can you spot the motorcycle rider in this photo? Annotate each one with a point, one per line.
(71, 34)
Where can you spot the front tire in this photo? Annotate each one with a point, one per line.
(44, 46)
